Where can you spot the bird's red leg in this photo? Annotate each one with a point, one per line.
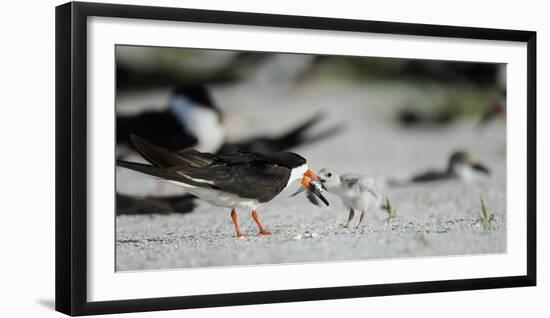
(237, 228)
(257, 219)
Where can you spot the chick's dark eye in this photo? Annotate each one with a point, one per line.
(329, 174)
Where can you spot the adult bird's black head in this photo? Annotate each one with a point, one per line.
(198, 94)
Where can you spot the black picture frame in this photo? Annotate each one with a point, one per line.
(71, 157)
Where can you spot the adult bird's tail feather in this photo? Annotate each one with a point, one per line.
(161, 157)
(156, 155)
(163, 173)
(154, 171)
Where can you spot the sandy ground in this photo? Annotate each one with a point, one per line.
(433, 219)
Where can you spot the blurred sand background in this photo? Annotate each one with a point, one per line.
(434, 219)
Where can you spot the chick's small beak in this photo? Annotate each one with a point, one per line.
(322, 183)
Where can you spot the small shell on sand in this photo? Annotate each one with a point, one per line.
(305, 235)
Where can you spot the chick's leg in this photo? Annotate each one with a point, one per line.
(350, 217)
(361, 218)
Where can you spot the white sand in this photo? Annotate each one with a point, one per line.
(434, 219)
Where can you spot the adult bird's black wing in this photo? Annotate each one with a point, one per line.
(166, 173)
(165, 164)
(247, 175)
(162, 157)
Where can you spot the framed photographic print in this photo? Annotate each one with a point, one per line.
(209, 158)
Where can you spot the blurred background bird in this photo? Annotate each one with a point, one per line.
(189, 120)
(461, 166)
(192, 120)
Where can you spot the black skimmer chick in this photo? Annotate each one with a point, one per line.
(241, 180)
(357, 191)
(460, 166)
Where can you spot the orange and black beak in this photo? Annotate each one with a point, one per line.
(306, 183)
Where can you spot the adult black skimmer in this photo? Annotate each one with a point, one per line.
(192, 120)
(357, 192)
(241, 180)
(460, 166)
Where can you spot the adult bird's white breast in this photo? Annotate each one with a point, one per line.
(297, 174)
(218, 198)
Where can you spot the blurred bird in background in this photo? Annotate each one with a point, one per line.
(461, 166)
(410, 117)
(192, 120)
